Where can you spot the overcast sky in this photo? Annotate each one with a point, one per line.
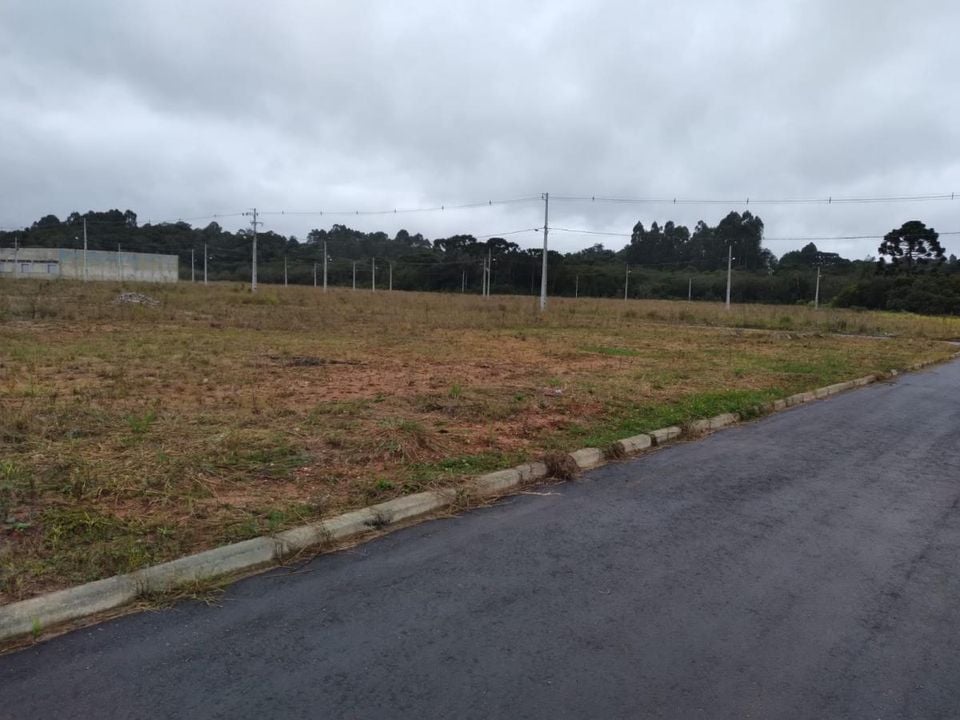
(179, 109)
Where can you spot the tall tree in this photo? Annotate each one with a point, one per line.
(745, 234)
(809, 256)
(700, 250)
(911, 247)
(657, 246)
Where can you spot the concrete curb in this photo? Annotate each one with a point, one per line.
(664, 435)
(26, 616)
(42, 612)
(588, 458)
(717, 422)
(497, 483)
(635, 444)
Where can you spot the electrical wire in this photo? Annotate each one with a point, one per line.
(828, 238)
(822, 238)
(829, 200)
(215, 216)
(589, 232)
(404, 211)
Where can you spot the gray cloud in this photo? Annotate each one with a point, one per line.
(181, 109)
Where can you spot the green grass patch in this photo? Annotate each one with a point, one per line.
(79, 544)
(645, 418)
(461, 465)
(264, 453)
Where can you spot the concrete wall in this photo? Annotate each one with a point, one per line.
(100, 264)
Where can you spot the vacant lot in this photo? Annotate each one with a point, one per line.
(132, 434)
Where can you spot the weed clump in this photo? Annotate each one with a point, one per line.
(614, 451)
(561, 466)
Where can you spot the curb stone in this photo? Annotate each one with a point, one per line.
(588, 458)
(496, 483)
(717, 422)
(40, 613)
(665, 434)
(635, 444)
(29, 616)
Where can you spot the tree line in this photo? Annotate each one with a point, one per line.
(668, 261)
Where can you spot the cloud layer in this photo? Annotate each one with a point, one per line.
(184, 109)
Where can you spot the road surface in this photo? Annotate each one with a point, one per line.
(803, 566)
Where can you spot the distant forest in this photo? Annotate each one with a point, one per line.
(663, 262)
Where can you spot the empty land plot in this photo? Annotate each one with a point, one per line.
(133, 434)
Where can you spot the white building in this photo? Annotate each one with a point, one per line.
(90, 265)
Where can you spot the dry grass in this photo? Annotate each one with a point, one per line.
(130, 435)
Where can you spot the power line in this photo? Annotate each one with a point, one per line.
(405, 211)
(821, 238)
(394, 211)
(591, 232)
(215, 216)
(842, 237)
(829, 200)
(504, 234)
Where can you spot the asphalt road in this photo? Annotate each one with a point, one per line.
(804, 566)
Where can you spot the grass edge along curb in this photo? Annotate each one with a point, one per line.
(38, 614)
